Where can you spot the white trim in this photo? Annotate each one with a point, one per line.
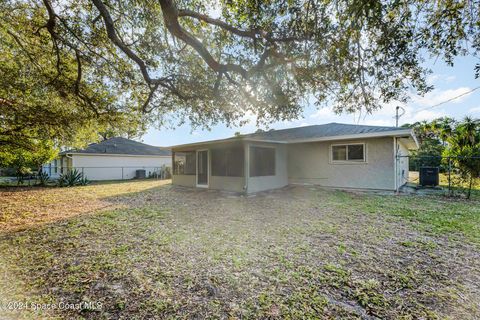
(208, 170)
(357, 136)
(364, 161)
(112, 155)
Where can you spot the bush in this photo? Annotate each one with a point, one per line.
(84, 181)
(72, 178)
(43, 178)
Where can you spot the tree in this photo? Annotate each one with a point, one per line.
(46, 99)
(463, 145)
(87, 64)
(430, 151)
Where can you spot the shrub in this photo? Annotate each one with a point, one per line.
(43, 178)
(72, 178)
(84, 181)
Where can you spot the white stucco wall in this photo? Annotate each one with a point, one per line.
(310, 163)
(109, 167)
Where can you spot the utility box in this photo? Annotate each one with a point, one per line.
(140, 174)
(429, 176)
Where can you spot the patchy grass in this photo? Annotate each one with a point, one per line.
(155, 251)
(23, 207)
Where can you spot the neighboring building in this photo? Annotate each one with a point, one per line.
(333, 155)
(112, 159)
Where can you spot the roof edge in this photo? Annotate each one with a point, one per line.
(392, 133)
(112, 154)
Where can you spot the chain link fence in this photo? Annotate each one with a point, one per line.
(33, 176)
(440, 174)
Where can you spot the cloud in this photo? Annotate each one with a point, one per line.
(323, 113)
(474, 110)
(439, 78)
(438, 96)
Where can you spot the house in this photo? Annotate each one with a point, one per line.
(112, 159)
(332, 155)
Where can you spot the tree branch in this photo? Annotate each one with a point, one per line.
(112, 35)
(170, 16)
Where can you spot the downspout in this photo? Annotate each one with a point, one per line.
(246, 166)
(69, 157)
(395, 164)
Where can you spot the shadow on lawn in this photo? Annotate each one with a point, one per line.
(25, 208)
(170, 252)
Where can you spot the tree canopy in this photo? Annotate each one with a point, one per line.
(72, 68)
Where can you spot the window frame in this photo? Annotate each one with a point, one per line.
(250, 162)
(347, 161)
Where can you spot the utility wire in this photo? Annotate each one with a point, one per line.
(451, 99)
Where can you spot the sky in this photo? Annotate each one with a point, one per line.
(448, 81)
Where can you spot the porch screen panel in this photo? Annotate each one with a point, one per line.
(184, 163)
(262, 161)
(227, 162)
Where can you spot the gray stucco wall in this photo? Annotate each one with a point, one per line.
(235, 184)
(280, 179)
(184, 180)
(310, 163)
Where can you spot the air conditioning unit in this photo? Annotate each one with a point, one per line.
(140, 174)
(429, 176)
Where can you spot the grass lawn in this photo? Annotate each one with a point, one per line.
(147, 250)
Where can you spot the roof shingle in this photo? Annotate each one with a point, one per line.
(119, 145)
(318, 131)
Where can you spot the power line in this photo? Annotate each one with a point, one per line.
(448, 100)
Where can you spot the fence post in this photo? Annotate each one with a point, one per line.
(450, 176)
(122, 173)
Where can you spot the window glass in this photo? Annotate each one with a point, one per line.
(348, 152)
(262, 161)
(339, 153)
(355, 152)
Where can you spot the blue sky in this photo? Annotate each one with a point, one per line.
(448, 81)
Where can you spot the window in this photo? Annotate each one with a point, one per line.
(184, 163)
(228, 162)
(348, 152)
(262, 161)
(55, 166)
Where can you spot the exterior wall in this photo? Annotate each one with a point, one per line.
(235, 184)
(310, 163)
(184, 180)
(279, 180)
(109, 167)
(402, 164)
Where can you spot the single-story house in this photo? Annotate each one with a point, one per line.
(112, 159)
(332, 155)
